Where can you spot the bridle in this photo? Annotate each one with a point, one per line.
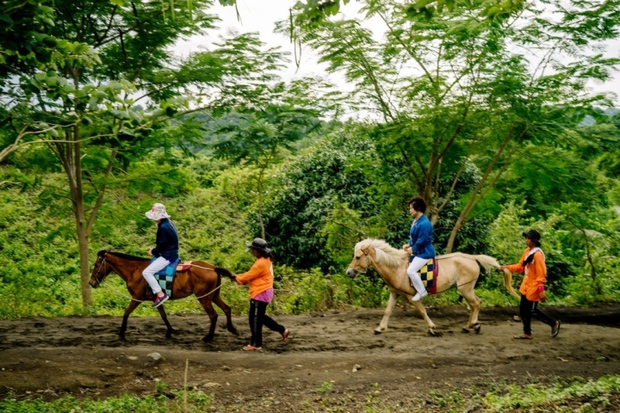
(366, 266)
(101, 264)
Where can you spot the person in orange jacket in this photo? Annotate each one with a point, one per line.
(260, 277)
(533, 286)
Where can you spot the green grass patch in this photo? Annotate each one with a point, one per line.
(189, 402)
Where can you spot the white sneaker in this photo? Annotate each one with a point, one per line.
(419, 296)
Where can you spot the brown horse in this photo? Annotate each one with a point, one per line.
(456, 268)
(202, 279)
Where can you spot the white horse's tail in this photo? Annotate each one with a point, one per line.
(488, 262)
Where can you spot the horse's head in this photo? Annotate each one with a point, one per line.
(100, 270)
(360, 262)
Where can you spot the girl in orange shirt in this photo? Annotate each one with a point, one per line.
(533, 286)
(260, 277)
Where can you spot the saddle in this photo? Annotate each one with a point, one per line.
(165, 277)
(428, 274)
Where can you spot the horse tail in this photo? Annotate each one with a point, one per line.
(223, 272)
(489, 262)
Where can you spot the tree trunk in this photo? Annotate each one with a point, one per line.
(77, 194)
(87, 299)
(260, 203)
(478, 193)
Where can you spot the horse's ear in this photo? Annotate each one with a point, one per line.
(365, 249)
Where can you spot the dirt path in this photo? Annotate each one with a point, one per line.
(330, 360)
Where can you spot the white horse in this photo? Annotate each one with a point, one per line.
(457, 269)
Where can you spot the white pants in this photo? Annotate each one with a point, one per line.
(412, 272)
(149, 273)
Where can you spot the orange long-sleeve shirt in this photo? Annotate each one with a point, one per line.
(260, 276)
(535, 275)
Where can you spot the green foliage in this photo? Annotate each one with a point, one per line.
(38, 259)
(453, 89)
(305, 192)
(196, 402)
(459, 117)
(569, 261)
(554, 398)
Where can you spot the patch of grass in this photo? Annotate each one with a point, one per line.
(325, 387)
(577, 396)
(196, 402)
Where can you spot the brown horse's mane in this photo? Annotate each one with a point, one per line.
(123, 256)
(384, 253)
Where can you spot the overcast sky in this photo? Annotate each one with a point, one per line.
(260, 16)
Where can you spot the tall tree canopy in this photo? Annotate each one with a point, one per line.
(452, 88)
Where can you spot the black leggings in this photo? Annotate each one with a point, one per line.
(258, 318)
(529, 309)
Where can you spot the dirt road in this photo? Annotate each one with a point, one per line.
(330, 360)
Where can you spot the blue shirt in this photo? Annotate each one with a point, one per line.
(421, 238)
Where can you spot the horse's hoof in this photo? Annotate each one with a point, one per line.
(465, 330)
(477, 328)
(207, 339)
(432, 333)
(377, 331)
(233, 331)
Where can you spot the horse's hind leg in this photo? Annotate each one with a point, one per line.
(208, 306)
(227, 311)
(169, 329)
(474, 308)
(133, 304)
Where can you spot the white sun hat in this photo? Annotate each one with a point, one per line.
(157, 212)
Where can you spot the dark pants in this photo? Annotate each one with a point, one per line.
(258, 318)
(529, 309)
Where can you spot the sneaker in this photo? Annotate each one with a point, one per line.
(419, 296)
(160, 300)
(250, 347)
(285, 335)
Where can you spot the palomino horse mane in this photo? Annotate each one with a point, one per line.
(385, 254)
(121, 255)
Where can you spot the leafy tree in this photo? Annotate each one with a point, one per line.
(452, 88)
(104, 94)
(308, 194)
(257, 138)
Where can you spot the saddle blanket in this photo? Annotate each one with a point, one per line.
(165, 277)
(428, 273)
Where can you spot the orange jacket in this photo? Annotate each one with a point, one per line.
(535, 275)
(260, 276)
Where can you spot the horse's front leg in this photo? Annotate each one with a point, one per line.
(133, 304)
(169, 329)
(387, 313)
(431, 326)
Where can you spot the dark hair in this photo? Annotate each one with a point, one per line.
(263, 253)
(418, 204)
(533, 235)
